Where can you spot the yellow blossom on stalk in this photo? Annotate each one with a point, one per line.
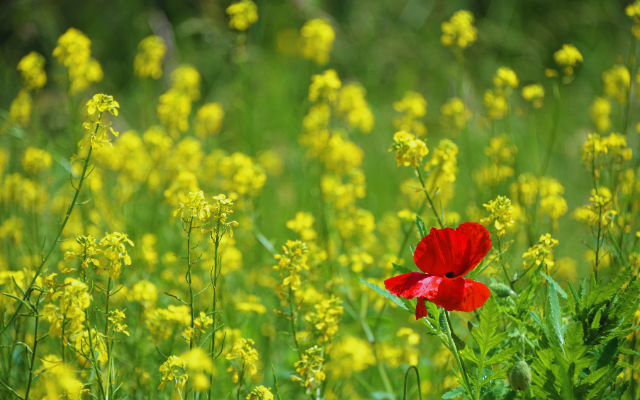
(412, 106)
(317, 118)
(350, 355)
(74, 52)
(70, 312)
(600, 212)
(325, 318)
(541, 254)
(174, 110)
(496, 103)
(241, 175)
(208, 120)
(260, 393)
(302, 224)
(293, 260)
(115, 319)
(343, 194)
(20, 109)
(335, 151)
(200, 324)
(174, 369)
(501, 156)
(616, 82)
(89, 254)
(220, 209)
(148, 61)
(352, 103)
(144, 293)
(633, 11)
(242, 15)
(198, 363)
(500, 214)
(455, 113)
(459, 30)
(534, 93)
(196, 207)
(594, 150)
(317, 36)
(162, 322)
(568, 57)
(247, 358)
(409, 150)
(31, 68)
(186, 79)
(116, 252)
(36, 160)
(96, 135)
(309, 369)
(505, 78)
(600, 112)
(324, 87)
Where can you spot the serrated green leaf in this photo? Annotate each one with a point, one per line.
(401, 268)
(576, 299)
(554, 317)
(454, 394)
(468, 354)
(385, 293)
(503, 356)
(422, 228)
(605, 294)
(555, 285)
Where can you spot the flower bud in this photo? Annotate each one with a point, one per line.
(520, 376)
(501, 289)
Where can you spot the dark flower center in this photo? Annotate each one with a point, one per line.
(449, 274)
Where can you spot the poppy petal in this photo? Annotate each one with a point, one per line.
(448, 293)
(479, 244)
(475, 295)
(443, 252)
(421, 309)
(412, 284)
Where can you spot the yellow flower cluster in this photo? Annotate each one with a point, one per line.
(115, 321)
(148, 61)
(353, 106)
(247, 359)
(96, 135)
(616, 82)
(496, 100)
(242, 15)
(409, 150)
(412, 107)
(208, 121)
(600, 212)
(260, 393)
(115, 251)
(292, 260)
(633, 11)
(200, 324)
(568, 57)
(68, 318)
(74, 52)
(541, 254)
(162, 322)
(500, 214)
(174, 369)
(309, 369)
(31, 68)
(442, 170)
(325, 318)
(501, 158)
(175, 105)
(324, 87)
(302, 224)
(35, 161)
(534, 93)
(316, 40)
(600, 112)
(240, 175)
(459, 30)
(596, 150)
(350, 355)
(455, 114)
(546, 192)
(21, 107)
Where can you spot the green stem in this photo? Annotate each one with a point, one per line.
(426, 192)
(454, 350)
(35, 348)
(106, 334)
(504, 267)
(406, 377)
(293, 323)
(214, 278)
(193, 333)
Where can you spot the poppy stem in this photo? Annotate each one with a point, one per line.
(456, 354)
(426, 192)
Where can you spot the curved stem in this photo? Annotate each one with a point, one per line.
(456, 354)
(406, 377)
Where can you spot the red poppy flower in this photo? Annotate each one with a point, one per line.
(446, 255)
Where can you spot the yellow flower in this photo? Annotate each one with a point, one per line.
(115, 319)
(351, 102)
(242, 15)
(302, 224)
(496, 103)
(324, 87)
(20, 109)
(309, 369)
(350, 355)
(569, 57)
(317, 37)
(459, 30)
(247, 358)
(409, 150)
(208, 120)
(74, 52)
(32, 69)
(500, 214)
(534, 93)
(260, 393)
(600, 112)
(505, 77)
(412, 106)
(174, 369)
(616, 82)
(36, 160)
(455, 113)
(148, 61)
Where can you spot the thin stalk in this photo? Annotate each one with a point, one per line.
(214, 278)
(240, 379)
(35, 348)
(92, 355)
(406, 377)
(426, 193)
(189, 282)
(454, 350)
(106, 334)
(293, 323)
(504, 267)
(55, 241)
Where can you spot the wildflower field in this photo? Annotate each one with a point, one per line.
(340, 199)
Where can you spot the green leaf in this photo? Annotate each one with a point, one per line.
(468, 354)
(554, 317)
(576, 299)
(385, 293)
(625, 365)
(17, 298)
(555, 284)
(422, 228)
(177, 298)
(503, 356)
(401, 268)
(454, 394)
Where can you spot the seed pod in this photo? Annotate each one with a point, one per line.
(501, 289)
(520, 376)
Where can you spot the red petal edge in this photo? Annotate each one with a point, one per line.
(421, 309)
(475, 295)
(442, 251)
(479, 244)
